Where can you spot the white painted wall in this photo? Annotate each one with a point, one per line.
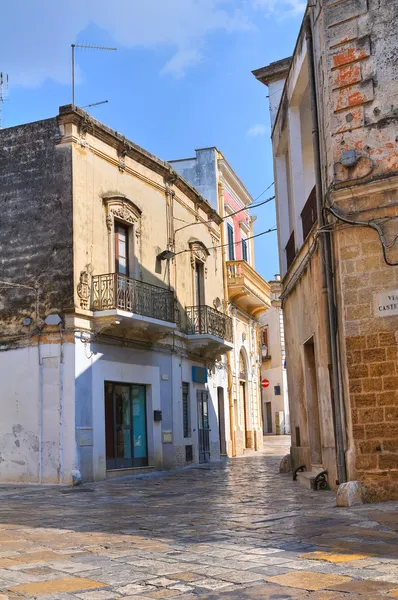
(273, 369)
(37, 414)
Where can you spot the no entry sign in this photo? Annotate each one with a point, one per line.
(264, 383)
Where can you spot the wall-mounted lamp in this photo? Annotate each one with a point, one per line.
(166, 255)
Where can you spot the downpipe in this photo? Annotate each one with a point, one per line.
(326, 265)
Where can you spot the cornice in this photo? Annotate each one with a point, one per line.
(232, 180)
(124, 147)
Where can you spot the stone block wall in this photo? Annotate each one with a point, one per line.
(371, 361)
(36, 222)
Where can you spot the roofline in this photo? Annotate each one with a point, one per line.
(305, 16)
(274, 71)
(242, 188)
(117, 140)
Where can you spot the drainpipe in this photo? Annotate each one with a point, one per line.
(225, 286)
(40, 408)
(326, 264)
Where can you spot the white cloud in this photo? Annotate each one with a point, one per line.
(257, 130)
(281, 8)
(35, 35)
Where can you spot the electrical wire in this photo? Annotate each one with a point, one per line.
(249, 207)
(227, 245)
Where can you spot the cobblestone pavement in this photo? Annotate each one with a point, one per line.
(232, 530)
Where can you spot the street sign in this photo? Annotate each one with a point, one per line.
(264, 383)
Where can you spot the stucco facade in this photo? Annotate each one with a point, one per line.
(275, 401)
(113, 337)
(337, 191)
(246, 294)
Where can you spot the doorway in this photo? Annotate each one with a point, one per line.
(243, 403)
(221, 421)
(203, 426)
(199, 284)
(268, 414)
(125, 426)
(311, 388)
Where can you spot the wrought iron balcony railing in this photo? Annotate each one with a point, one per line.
(119, 292)
(205, 319)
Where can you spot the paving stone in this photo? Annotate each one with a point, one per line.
(188, 576)
(162, 582)
(211, 584)
(334, 558)
(98, 595)
(362, 587)
(308, 580)
(228, 523)
(135, 588)
(66, 584)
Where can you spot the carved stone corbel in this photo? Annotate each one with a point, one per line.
(83, 289)
(122, 153)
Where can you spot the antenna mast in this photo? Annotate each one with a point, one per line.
(73, 46)
(3, 93)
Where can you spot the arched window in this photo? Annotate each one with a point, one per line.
(242, 366)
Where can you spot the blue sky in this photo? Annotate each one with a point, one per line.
(180, 79)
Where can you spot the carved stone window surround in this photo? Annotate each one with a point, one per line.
(120, 208)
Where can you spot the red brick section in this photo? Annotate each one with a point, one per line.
(350, 91)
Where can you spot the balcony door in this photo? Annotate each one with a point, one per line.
(125, 426)
(199, 284)
(199, 296)
(121, 249)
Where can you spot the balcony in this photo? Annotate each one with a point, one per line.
(247, 289)
(208, 330)
(124, 303)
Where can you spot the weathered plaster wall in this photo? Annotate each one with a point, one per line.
(273, 369)
(94, 178)
(201, 172)
(360, 113)
(37, 413)
(304, 319)
(36, 222)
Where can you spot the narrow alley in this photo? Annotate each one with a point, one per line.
(234, 529)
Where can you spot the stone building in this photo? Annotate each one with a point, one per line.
(275, 401)
(247, 294)
(334, 114)
(112, 333)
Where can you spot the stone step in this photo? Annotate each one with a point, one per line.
(306, 478)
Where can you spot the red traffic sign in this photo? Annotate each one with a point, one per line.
(264, 383)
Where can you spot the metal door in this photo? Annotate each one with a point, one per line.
(269, 417)
(203, 426)
(125, 426)
(221, 421)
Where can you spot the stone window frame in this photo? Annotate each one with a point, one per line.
(198, 254)
(119, 208)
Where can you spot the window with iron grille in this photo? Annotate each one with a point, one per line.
(244, 250)
(231, 247)
(186, 413)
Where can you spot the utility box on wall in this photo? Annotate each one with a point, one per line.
(157, 415)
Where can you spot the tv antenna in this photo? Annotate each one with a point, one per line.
(3, 92)
(89, 47)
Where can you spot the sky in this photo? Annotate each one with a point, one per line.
(180, 78)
